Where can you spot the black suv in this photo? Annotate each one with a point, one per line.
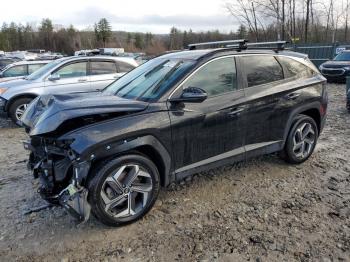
(173, 116)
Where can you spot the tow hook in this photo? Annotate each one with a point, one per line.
(74, 200)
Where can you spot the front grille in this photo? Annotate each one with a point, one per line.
(333, 72)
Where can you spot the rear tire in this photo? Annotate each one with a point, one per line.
(18, 107)
(124, 189)
(301, 140)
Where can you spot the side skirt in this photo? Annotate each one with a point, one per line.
(236, 155)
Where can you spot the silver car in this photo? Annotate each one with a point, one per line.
(65, 75)
(20, 69)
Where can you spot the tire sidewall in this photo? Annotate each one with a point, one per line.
(289, 144)
(13, 107)
(96, 183)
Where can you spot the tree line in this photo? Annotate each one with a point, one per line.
(298, 21)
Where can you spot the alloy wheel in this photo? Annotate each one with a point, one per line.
(304, 140)
(126, 192)
(20, 110)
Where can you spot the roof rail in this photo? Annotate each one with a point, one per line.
(240, 43)
(280, 44)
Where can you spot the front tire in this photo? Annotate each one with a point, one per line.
(123, 189)
(18, 107)
(301, 140)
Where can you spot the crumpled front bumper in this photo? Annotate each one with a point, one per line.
(62, 177)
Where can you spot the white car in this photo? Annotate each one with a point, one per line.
(20, 69)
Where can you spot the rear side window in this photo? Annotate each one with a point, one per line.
(261, 69)
(216, 77)
(124, 67)
(102, 67)
(295, 68)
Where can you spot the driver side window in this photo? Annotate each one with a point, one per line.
(72, 70)
(216, 77)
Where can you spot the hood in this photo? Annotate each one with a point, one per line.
(47, 113)
(6, 79)
(15, 83)
(335, 64)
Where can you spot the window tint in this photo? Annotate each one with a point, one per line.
(262, 69)
(72, 70)
(32, 68)
(20, 70)
(295, 68)
(124, 67)
(217, 77)
(103, 67)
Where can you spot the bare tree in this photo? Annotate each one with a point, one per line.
(245, 12)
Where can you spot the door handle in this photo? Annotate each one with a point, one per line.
(82, 80)
(292, 96)
(236, 111)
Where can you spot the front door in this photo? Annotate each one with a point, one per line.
(211, 131)
(73, 78)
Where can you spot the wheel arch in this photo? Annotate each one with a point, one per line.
(312, 110)
(14, 98)
(147, 146)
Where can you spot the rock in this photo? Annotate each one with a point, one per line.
(255, 239)
(158, 203)
(65, 259)
(240, 220)
(288, 211)
(160, 232)
(198, 247)
(217, 214)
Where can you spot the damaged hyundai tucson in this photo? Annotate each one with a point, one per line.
(178, 114)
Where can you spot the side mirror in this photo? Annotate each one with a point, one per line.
(191, 94)
(54, 77)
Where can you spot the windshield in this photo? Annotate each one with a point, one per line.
(150, 80)
(345, 56)
(43, 70)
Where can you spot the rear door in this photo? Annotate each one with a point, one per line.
(102, 73)
(270, 98)
(123, 68)
(73, 78)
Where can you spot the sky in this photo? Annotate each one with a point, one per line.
(156, 16)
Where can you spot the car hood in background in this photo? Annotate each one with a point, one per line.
(47, 113)
(335, 64)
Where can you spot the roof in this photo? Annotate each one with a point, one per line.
(116, 58)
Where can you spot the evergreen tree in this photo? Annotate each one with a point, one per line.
(103, 31)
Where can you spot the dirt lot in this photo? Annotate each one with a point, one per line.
(261, 210)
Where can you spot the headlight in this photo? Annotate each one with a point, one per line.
(347, 68)
(2, 90)
(320, 67)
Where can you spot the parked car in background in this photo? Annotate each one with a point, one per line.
(20, 69)
(5, 61)
(65, 75)
(338, 69)
(173, 116)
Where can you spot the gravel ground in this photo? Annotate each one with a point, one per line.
(260, 210)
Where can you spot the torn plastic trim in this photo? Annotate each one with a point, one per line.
(74, 197)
